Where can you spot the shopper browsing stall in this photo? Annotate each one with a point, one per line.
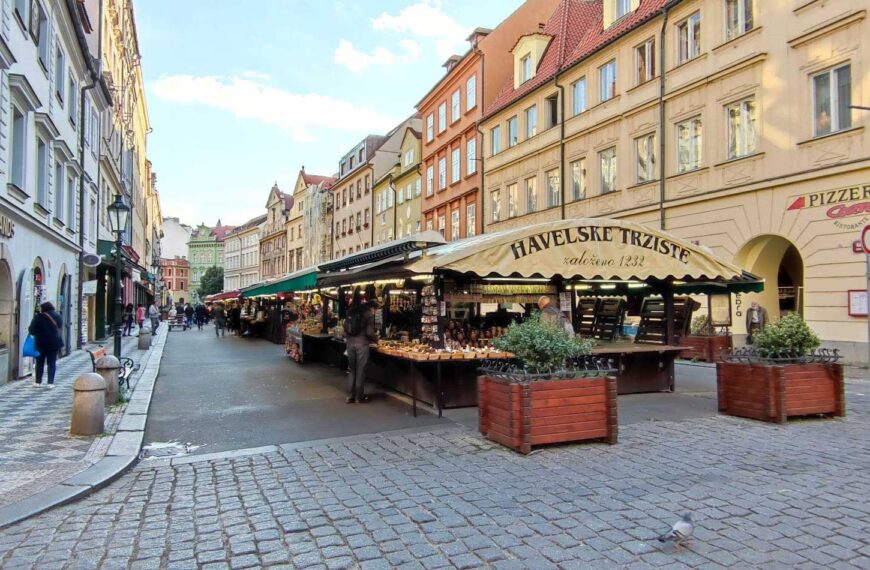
(359, 330)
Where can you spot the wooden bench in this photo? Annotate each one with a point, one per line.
(127, 365)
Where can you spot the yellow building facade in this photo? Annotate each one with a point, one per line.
(398, 193)
(747, 144)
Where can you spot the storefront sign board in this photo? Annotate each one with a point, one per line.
(857, 302)
(720, 310)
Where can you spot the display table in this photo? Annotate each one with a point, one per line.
(641, 367)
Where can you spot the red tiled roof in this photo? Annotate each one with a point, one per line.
(313, 179)
(577, 30)
(288, 201)
(221, 232)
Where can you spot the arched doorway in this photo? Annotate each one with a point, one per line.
(7, 345)
(64, 307)
(31, 293)
(779, 262)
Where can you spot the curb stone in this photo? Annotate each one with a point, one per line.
(122, 454)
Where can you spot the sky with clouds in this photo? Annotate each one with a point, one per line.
(242, 94)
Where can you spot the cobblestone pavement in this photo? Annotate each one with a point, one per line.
(36, 449)
(763, 496)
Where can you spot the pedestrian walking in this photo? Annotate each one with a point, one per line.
(219, 316)
(45, 328)
(154, 316)
(199, 314)
(128, 320)
(188, 315)
(140, 316)
(359, 331)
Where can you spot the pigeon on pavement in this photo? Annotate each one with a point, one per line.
(680, 532)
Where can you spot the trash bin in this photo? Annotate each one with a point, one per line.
(89, 405)
(144, 339)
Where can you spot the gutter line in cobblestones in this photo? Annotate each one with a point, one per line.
(123, 450)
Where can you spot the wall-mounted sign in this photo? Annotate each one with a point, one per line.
(7, 227)
(720, 310)
(89, 287)
(838, 204)
(865, 240)
(857, 302)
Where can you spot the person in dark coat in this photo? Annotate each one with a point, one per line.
(46, 328)
(359, 331)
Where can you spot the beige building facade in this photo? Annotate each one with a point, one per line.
(273, 235)
(242, 255)
(747, 145)
(352, 198)
(398, 192)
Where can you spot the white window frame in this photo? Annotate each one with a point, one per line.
(430, 180)
(495, 139)
(71, 202)
(442, 173)
(59, 194)
(430, 127)
(471, 93)
(531, 190)
(513, 200)
(470, 219)
(525, 68)
(649, 140)
(471, 154)
(578, 96)
(531, 121)
(695, 128)
(42, 172)
(455, 106)
(622, 8)
(645, 53)
(72, 108)
(455, 165)
(607, 81)
(495, 203)
(454, 225)
(554, 194)
(608, 173)
(513, 131)
(59, 77)
(837, 123)
(18, 149)
(693, 43)
(442, 117)
(739, 28)
(745, 138)
(579, 187)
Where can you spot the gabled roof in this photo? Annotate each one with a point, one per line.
(252, 223)
(577, 30)
(220, 231)
(314, 179)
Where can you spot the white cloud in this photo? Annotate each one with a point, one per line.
(358, 61)
(259, 75)
(250, 99)
(426, 19)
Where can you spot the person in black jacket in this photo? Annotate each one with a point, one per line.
(359, 331)
(45, 328)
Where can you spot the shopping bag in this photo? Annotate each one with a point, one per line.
(29, 348)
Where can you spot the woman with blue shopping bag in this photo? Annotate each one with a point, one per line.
(45, 329)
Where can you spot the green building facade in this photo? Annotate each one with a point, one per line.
(205, 249)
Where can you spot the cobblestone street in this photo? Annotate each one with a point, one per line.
(762, 495)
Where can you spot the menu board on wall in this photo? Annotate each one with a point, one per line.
(720, 310)
(857, 303)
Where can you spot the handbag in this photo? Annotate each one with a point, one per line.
(29, 348)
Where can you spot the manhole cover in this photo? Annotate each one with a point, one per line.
(162, 449)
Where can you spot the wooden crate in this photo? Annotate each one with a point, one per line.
(523, 415)
(775, 393)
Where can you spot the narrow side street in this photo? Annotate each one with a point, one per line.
(219, 394)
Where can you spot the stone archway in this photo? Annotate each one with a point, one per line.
(8, 349)
(63, 302)
(779, 262)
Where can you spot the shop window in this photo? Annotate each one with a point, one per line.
(689, 38)
(646, 157)
(578, 179)
(689, 145)
(832, 97)
(742, 128)
(738, 18)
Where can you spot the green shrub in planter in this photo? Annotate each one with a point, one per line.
(701, 326)
(542, 347)
(791, 336)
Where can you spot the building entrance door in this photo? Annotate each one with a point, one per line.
(7, 314)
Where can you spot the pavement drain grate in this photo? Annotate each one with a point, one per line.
(163, 449)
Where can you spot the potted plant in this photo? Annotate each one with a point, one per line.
(703, 343)
(783, 375)
(551, 392)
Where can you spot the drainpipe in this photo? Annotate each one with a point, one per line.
(662, 126)
(480, 150)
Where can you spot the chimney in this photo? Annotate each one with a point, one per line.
(541, 26)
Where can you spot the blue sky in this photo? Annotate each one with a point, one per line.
(242, 97)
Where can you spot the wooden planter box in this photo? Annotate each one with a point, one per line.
(776, 393)
(523, 415)
(705, 348)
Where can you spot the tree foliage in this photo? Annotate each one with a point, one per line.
(790, 336)
(541, 346)
(212, 281)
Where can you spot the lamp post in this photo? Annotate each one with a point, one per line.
(119, 213)
(866, 257)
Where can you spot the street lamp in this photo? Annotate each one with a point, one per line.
(119, 212)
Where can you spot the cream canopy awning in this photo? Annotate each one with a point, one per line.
(584, 248)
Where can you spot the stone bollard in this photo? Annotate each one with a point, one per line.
(108, 367)
(144, 339)
(89, 405)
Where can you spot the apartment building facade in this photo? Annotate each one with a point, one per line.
(746, 144)
(317, 219)
(352, 198)
(242, 255)
(273, 235)
(398, 193)
(206, 249)
(176, 280)
(452, 175)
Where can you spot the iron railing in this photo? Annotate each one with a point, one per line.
(514, 370)
(751, 355)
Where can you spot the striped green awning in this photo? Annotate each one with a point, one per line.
(299, 281)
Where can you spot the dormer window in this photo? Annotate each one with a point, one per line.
(526, 68)
(623, 7)
(615, 10)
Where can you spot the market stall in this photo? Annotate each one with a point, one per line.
(266, 309)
